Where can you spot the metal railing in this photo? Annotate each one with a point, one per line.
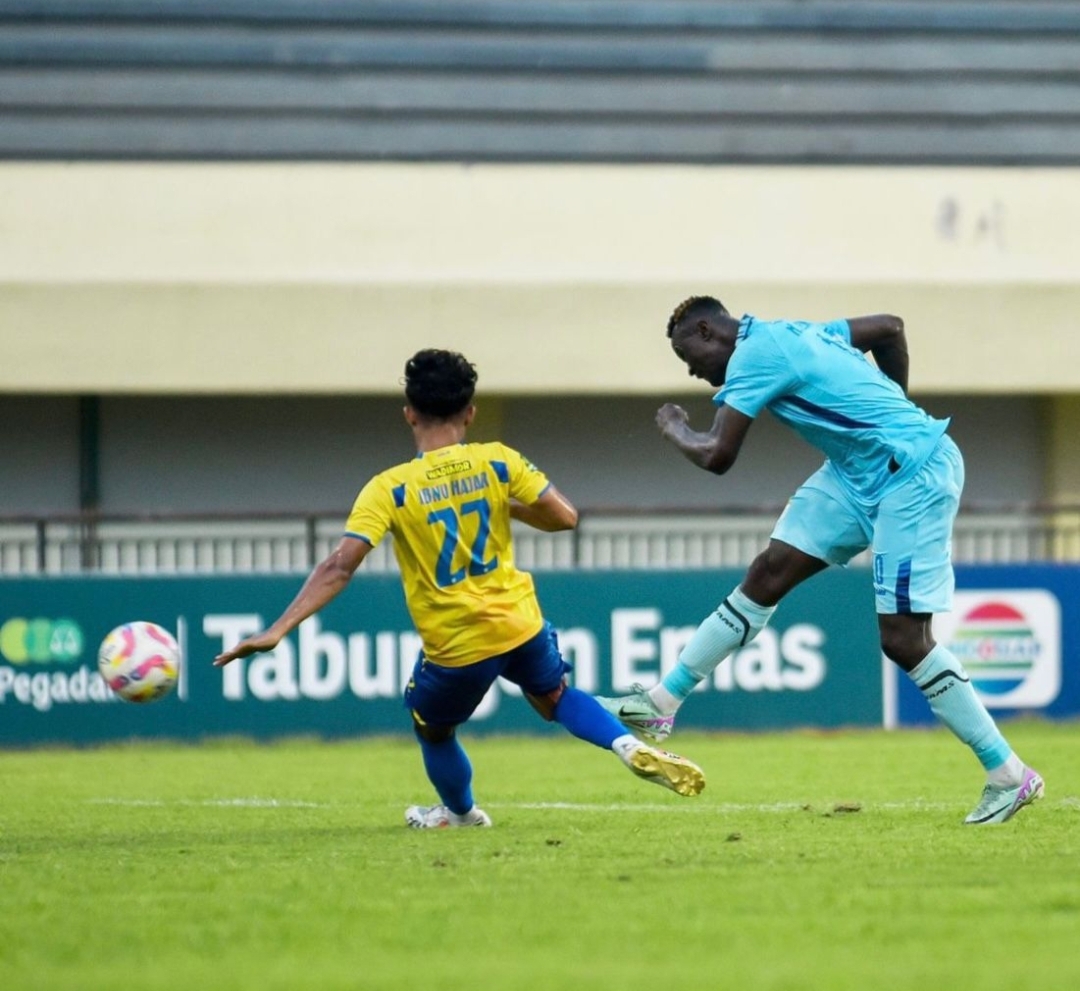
(605, 539)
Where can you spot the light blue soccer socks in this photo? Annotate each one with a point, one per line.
(449, 770)
(734, 624)
(583, 716)
(946, 686)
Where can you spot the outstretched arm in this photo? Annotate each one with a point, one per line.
(883, 336)
(551, 512)
(327, 579)
(714, 450)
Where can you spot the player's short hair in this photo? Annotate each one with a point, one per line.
(695, 308)
(439, 383)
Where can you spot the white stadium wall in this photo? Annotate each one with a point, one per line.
(318, 278)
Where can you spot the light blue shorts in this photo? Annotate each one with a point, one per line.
(910, 531)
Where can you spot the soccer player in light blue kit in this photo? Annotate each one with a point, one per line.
(891, 481)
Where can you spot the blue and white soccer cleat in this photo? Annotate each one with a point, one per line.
(682, 776)
(1001, 804)
(440, 817)
(638, 713)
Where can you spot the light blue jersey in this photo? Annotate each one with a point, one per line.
(810, 377)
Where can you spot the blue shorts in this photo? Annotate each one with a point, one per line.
(910, 531)
(448, 696)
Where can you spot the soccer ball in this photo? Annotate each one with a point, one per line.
(139, 661)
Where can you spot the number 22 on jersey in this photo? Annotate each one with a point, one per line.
(450, 520)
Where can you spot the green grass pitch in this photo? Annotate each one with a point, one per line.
(831, 861)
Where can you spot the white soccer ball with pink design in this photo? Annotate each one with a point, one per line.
(140, 661)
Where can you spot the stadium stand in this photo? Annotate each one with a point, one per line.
(847, 81)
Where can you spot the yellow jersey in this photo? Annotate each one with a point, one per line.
(449, 513)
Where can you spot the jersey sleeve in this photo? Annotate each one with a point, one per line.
(527, 482)
(759, 372)
(841, 328)
(370, 516)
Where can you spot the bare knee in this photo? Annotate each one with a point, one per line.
(776, 571)
(759, 582)
(432, 732)
(906, 640)
(545, 704)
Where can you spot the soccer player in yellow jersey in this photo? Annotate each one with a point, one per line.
(449, 511)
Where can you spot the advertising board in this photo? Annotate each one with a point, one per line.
(343, 671)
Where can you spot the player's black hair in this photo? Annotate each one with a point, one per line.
(695, 308)
(439, 383)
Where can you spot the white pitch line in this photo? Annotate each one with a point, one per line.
(239, 803)
(656, 807)
(723, 808)
(727, 808)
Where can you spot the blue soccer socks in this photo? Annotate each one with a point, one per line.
(583, 716)
(449, 770)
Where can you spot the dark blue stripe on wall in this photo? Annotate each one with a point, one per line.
(903, 588)
(828, 415)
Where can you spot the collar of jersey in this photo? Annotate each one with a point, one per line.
(420, 454)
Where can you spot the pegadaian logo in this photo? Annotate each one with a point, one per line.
(1009, 642)
(40, 641)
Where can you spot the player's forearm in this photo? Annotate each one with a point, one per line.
(892, 359)
(323, 584)
(702, 449)
(541, 516)
(882, 335)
